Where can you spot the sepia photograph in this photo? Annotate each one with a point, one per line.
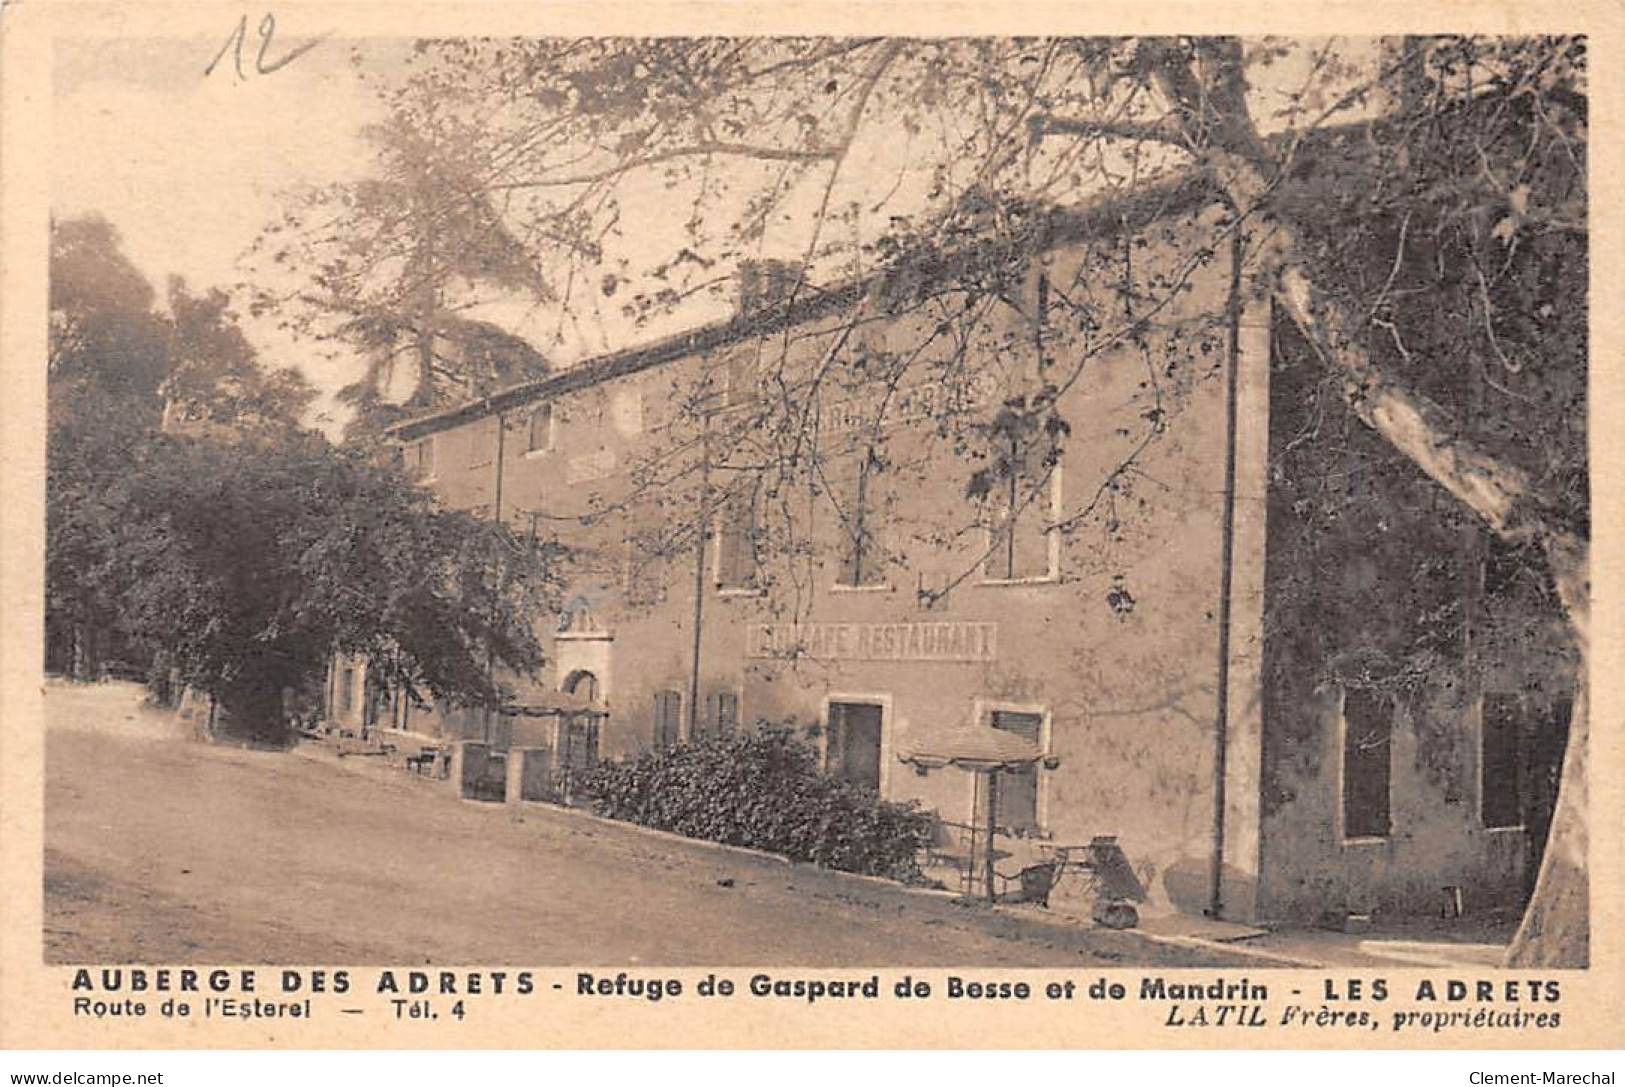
(1038, 502)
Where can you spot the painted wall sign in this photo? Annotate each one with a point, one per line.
(909, 404)
(875, 641)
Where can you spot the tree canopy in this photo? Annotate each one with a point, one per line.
(394, 267)
(247, 564)
(193, 522)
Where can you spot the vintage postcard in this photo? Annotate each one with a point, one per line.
(898, 525)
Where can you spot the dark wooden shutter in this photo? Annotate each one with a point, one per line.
(668, 709)
(727, 718)
(1367, 764)
(1501, 762)
(1017, 809)
(703, 722)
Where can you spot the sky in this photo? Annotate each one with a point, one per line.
(189, 166)
(191, 163)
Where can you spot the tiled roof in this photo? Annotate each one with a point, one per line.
(1117, 212)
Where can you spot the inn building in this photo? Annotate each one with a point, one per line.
(963, 497)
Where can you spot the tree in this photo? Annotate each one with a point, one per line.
(214, 377)
(248, 563)
(1417, 212)
(119, 369)
(106, 342)
(392, 266)
(193, 520)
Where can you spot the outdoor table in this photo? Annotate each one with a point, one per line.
(980, 750)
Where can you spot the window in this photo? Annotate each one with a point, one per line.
(627, 411)
(668, 712)
(583, 685)
(852, 743)
(1016, 810)
(539, 430)
(1020, 540)
(1515, 572)
(346, 690)
(721, 715)
(863, 561)
(1502, 567)
(578, 739)
(1367, 764)
(736, 542)
(1501, 762)
(727, 713)
(420, 459)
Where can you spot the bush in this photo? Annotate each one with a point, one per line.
(764, 790)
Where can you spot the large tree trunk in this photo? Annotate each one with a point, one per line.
(250, 710)
(1556, 925)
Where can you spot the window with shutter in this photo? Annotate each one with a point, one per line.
(1501, 762)
(727, 717)
(702, 725)
(668, 711)
(1020, 540)
(1017, 805)
(863, 560)
(420, 459)
(578, 733)
(736, 542)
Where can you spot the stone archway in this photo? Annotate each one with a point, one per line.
(583, 684)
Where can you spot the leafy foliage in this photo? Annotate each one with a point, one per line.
(762, 789)
(119, 370)
(247, 563)
(392, 265)
(192, 521)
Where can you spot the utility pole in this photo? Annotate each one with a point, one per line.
(496, 517)
(701, 535)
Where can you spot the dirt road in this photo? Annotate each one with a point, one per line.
(162, 850)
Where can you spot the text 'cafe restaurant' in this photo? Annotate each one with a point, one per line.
(874, 641)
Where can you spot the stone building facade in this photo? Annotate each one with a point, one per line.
(852, 508)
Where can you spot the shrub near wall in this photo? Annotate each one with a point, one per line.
(763, 790)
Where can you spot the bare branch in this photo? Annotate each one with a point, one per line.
(1046, 124)
(738, 150)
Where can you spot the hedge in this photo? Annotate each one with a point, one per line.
(761, 789)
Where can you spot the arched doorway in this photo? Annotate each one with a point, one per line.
(577, 745)
(583, 684)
